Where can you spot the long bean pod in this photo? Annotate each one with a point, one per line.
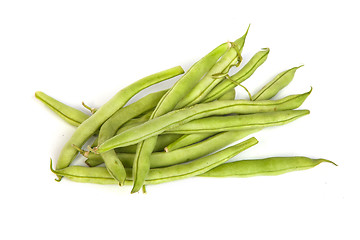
(167, 103)
(163, 159)
(238, 122)
(109, 128)
(93, 123)
(264, 167)
(208, 82)
(100, 175)
(179, 117)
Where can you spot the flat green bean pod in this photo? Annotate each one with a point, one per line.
(163, 159)
(100, 175)
(264, 167)
(275, 85)
(238, 122)
(244, 73)
(69, 114)
(87, 128)
(179, 117)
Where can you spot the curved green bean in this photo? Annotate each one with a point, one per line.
(179, 117)
(244, 73)
(100, 175)
(264, 167)
(208, 82)
(166, 104)
(163, 159)
(275, 85)
(93, 123)
(70, 115)
(109, 128)
(238, 122)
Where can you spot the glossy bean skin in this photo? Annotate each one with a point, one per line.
(275, 85)
(70, 115)
(179, 117)
(239, 122)
(166, 104)
(109, 128)
(208, 82)
(87, 128)
(100, 175)
(264, 167)
(244, 73)
(163, 159)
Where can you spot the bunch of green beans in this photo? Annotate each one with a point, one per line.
(191, 129)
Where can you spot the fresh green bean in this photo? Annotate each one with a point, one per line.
(134, 122)
(179, 117)
(109, 128)
(238, 122)
(208, 82)
(163, 159)
(267, 92)
(264, 167)
(189, 139)
(100, 175)
(229, 95)
(166, 104)
(244, 73)
(71, 115)
(275, 85)
(93, 123)
(162, 141)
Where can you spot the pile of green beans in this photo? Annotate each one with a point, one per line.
(189, 130)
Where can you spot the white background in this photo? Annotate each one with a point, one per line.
(87, 50)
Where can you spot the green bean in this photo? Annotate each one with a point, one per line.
(162, 141)
(244, 73)
(167, 103)
(109, 128)
(238, 122)
(267, 92)
(189, 139)
(176, 118)
(163, 159)
(168, 139)
(100, 175)
(229, 95)
(264, 167)
(208, 82)
(134, 122)
(92, 124)
(275, 85)
(69, 114)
